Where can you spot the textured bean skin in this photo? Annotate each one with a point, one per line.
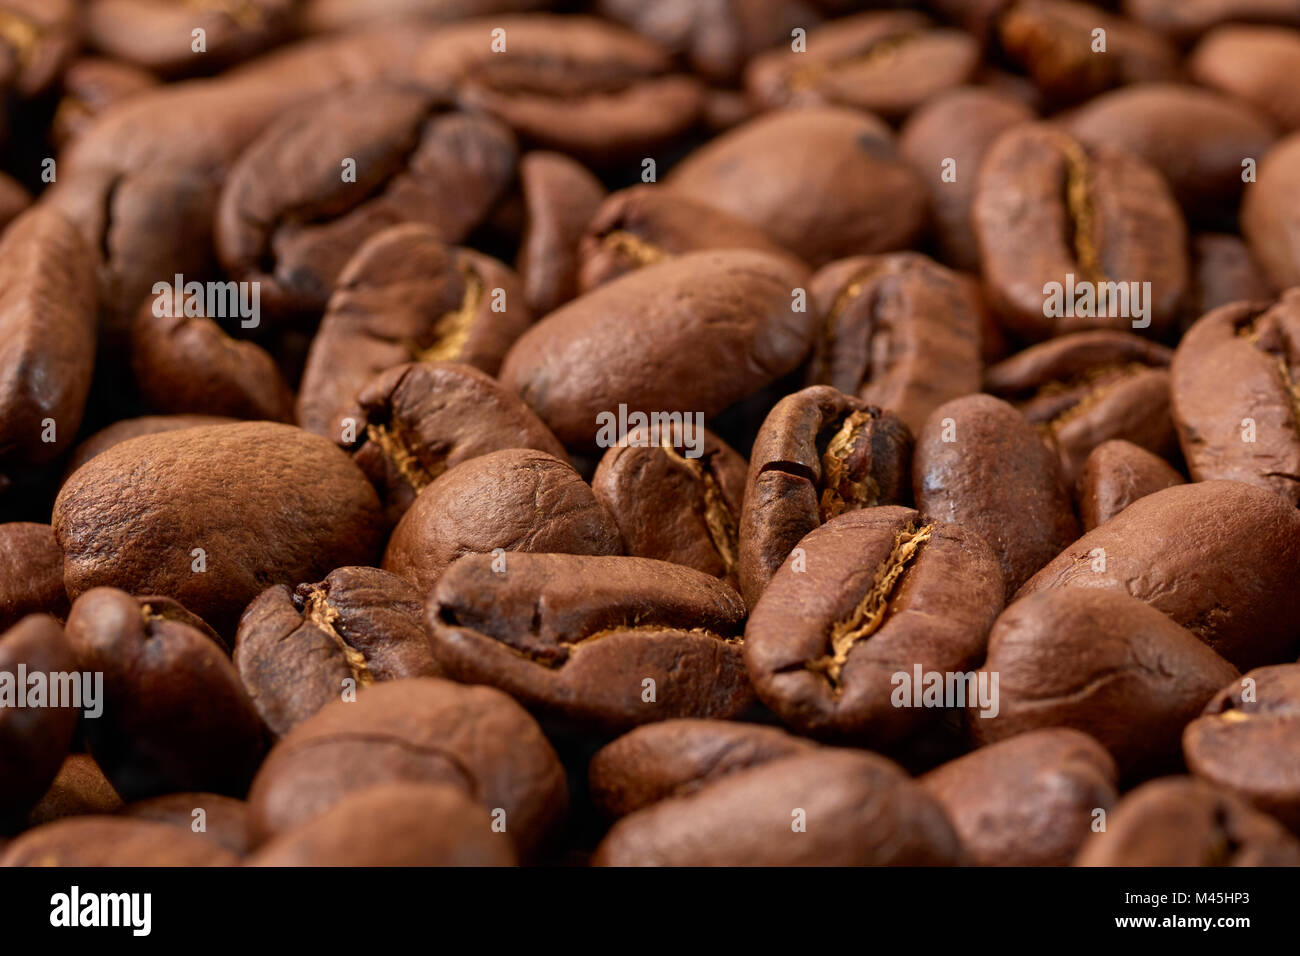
(31, 573)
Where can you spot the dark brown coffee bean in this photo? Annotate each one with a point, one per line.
(1182, 821)
(819, 454)
(1082, 389)
(420, 419)
(222, 819)
(298, 650)
(1030, 800)
(1196, 138)
(673, 758)
(79, 790)
(421, 730)
(47, 337)
(394, 824)
(113, 841)
(1255, 64)
(887, 63)
(1116, 474)
(293, 212)
(1055, 42)
(1062, 226)
(91, 85)
(693, 335)
(899, 331)
(856, 809)
(561, 197)
(1268, 212)
(129, 428)
(34, 736)
(676, 504)
(31, 573)
(823, 182)
(867, 596)
(1236, 395)
(212, 516)
(1223, 270)
(186, 364)
(1246, 741)
(946, 141)
(600, 643)
(40, 36)
(644, 225)
(517, 500)
(1103, 663)
(1238, 543)
(157, 659)
(980, 464)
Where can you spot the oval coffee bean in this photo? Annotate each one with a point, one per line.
(1257, 64)
(212, 516)
(421, 730)
(857, 809)
(298, 650)
(691, 336)
(113, 841)
(1103, 663)
(598, 643)
(561, 196)
(1239, 544)
(980, 464)
(1030, 800)
(518, 500)
(157, 659)
(128, 428)
(1116, 474)
(225, 819)
(1182, 821)
(31, 573)
(874, 594)
(1224, 270)
(1246, 741)
(1268, 214)
(819, 454)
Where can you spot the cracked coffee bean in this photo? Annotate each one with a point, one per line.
(1116, 474)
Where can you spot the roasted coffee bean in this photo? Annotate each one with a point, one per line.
(327, 16)
(79, 790)
(224, 819)
(1224, 270)
(898, 331)
(1182, 821)
(644, 225)
(1030, 800)
(186, 364)
(298, 650)
(47, 337)
(865, 597)
(1255, 64)
(1054, 41)
(573, 84)
(1082, 389)
(954, 132)
(672, 758)
(91, 85)
(1184, 21)
(1268, 212)
(406, 297)
(1246, 741)
(597, 643)
(39, 37)
(517, 500)
(1071, 235)
(421, 730)
(690, 336)
(290, 216)
(113, 841)
(885, 63)
(157, 659)
(561, 197)
(395, 824)
(1238, 543)
(31, 573)
(34, 735)
(823, 182)
(420, 419)
(1101, 662)
(212, 516)
(1236, 395)
(860, 810)
(676, 504)
(1196, 138)
(819, 454)
(14, 200)
(1116, 474)
(980, 464)
(129, 428)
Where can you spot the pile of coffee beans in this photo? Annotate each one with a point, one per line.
(649, 432)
